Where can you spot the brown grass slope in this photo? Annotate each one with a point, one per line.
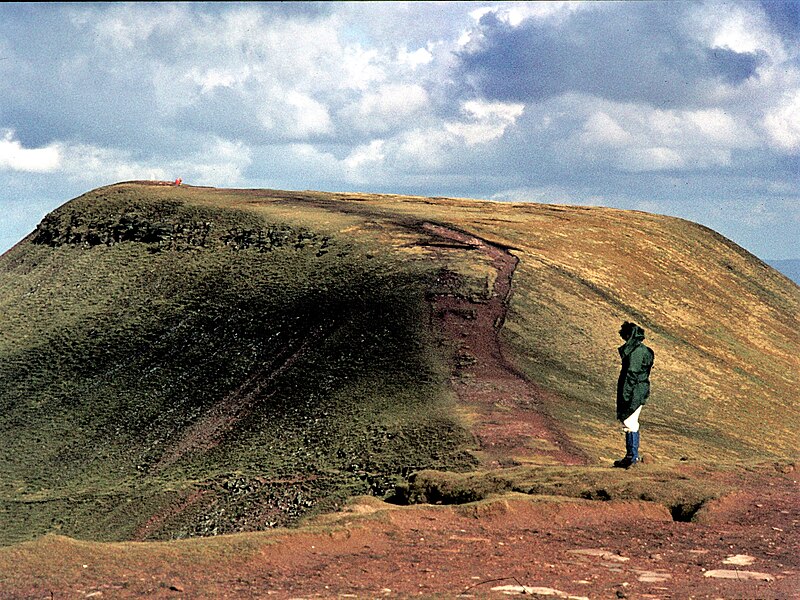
(725, 326)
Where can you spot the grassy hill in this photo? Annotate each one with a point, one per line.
(180, 361)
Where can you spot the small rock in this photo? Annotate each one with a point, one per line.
(742, 560)
(603, 554)
(729, 574)
(652, 576)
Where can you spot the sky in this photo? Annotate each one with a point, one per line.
(689, 109)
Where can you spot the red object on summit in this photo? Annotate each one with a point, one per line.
(178, 181)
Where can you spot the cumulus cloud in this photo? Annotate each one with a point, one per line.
(601, 130)
(739, 29)
(631, 52)
(33, 160)
(218, 161)
(389, 106)
(783, 123)
(365, 159)
(639, 138)
(484, 121)
(414, 59)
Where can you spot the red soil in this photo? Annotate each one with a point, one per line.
(579, 549)
(508, 411)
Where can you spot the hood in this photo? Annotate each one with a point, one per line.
(636, 339)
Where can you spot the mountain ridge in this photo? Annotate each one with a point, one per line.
(240, 359)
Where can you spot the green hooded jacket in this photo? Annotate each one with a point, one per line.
(633, 386)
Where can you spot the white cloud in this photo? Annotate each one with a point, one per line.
(640, 138)
(364, 159)
(389, 106)
(361, 67)
(422, 149)
(34, 160)
(651, 158)
(514, 13)
(125, 26)
(211, 78)
(485, 121)
(417, 58)
(188, 53)
(783, 123)
(219, 163)
(601, 130)
(740, 28)
(718, 127)
(308, 117)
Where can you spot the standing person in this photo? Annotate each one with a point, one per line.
(633, 388)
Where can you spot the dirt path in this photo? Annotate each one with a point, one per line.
(508, 411)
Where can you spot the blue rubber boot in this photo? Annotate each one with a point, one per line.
(631, 451)
(633, 447)
(626, 462)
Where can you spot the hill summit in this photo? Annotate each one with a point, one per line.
(183, 361)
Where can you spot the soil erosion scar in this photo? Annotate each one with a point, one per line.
(507, 410)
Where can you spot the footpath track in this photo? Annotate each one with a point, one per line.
(508, 411)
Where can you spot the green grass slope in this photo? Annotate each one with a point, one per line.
(179, 361)
(129, 314)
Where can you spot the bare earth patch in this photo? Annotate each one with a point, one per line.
(512, 545)
(506, 408)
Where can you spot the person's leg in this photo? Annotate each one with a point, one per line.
(631, 428)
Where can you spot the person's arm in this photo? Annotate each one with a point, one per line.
(634, 372)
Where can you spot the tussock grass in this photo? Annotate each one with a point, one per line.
(681, 494)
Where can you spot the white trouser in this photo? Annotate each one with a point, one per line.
(631, 424)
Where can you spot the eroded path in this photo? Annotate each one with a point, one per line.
(508, 412)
